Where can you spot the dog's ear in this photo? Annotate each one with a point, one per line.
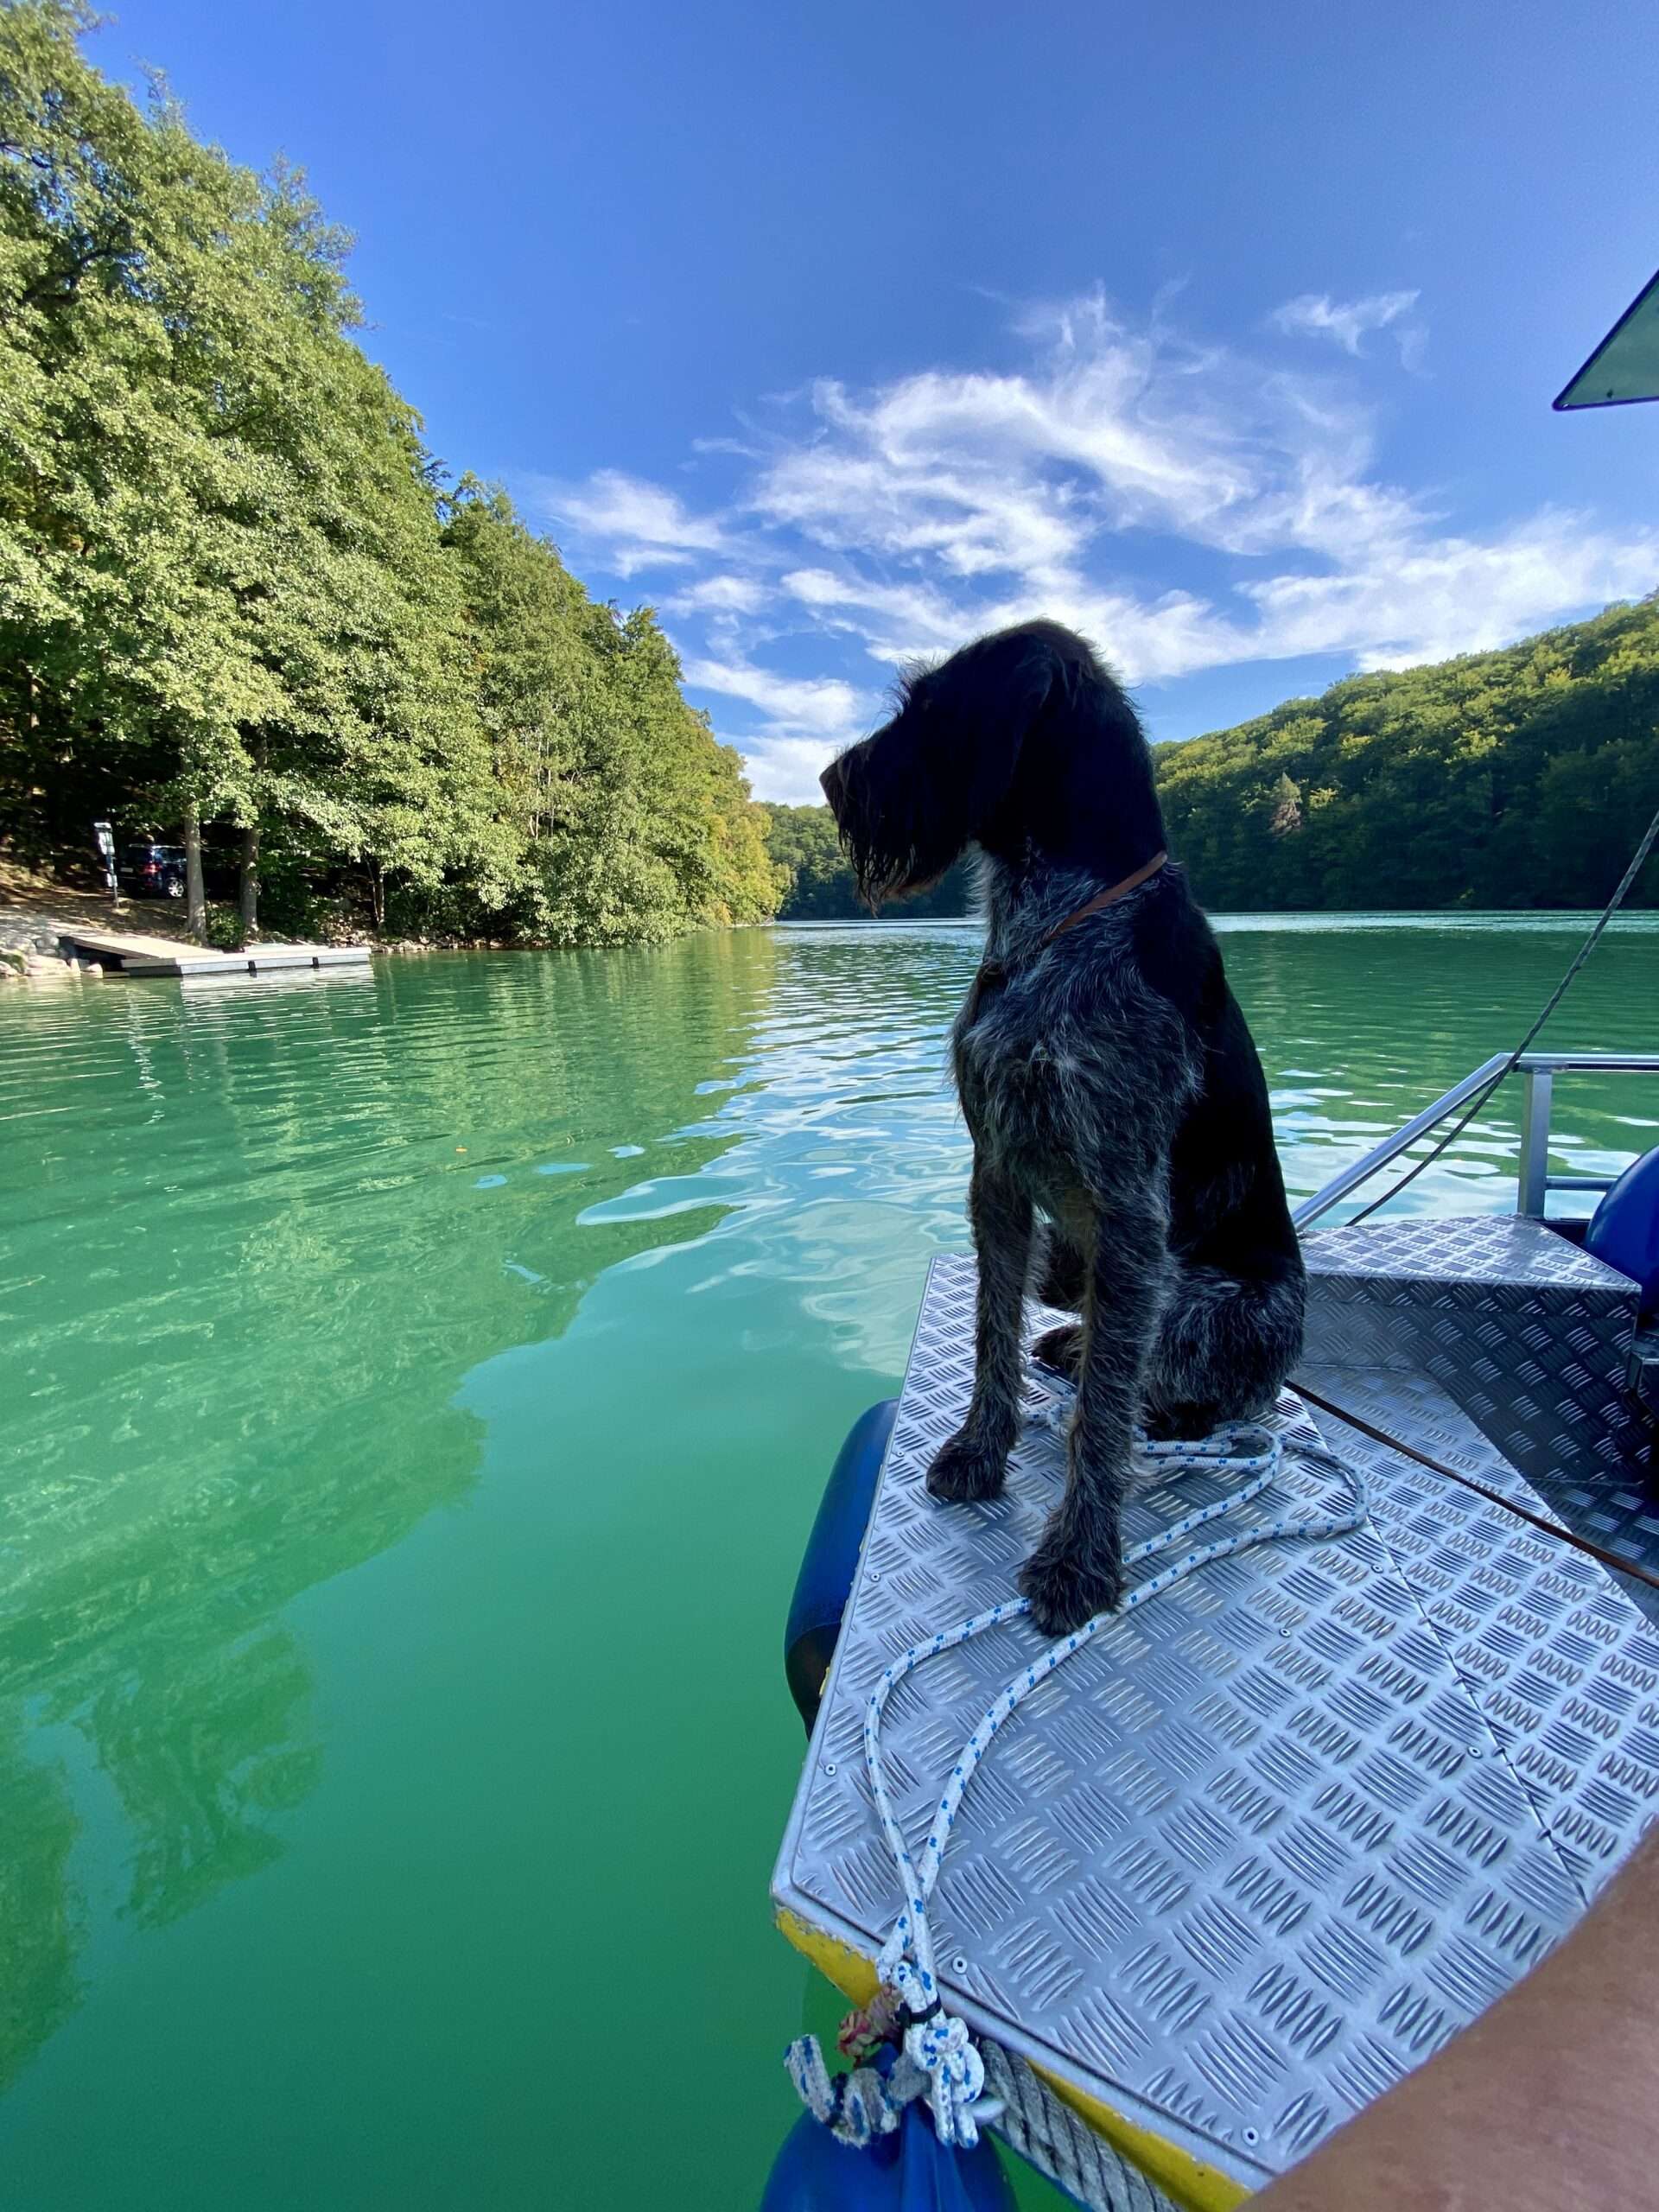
(980, 712)
(909, 800)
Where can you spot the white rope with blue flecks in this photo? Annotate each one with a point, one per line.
(938, 2058)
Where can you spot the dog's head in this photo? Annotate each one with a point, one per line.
(998, 746)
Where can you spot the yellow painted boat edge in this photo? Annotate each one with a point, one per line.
(1194, 2184)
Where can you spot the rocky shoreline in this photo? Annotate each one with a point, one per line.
(28, 948)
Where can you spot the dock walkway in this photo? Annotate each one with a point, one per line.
(127, 953)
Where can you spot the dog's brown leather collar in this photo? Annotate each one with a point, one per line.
(1104, 899)
(993, 971)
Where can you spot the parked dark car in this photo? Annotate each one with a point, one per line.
(152, 871)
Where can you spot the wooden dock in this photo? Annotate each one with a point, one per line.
(121, 953)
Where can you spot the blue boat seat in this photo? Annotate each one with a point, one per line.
(1624, 1231)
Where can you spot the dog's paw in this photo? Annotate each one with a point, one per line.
(1061, 1348)
(965, 1471)
(1179, 1424)
(1066, 1589)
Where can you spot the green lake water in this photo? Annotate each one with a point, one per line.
(417, 1389)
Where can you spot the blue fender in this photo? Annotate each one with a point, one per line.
(830, 1561)
(907, 2171)
(1624, 1231)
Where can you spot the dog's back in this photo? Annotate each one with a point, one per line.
(1227, 1206)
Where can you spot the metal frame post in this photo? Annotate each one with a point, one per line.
(1533, 1186)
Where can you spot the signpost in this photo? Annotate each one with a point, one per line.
(103, 837)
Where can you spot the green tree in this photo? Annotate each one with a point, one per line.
(628, 818)
(117, 651)
(1511, 779)
(819, 885)
(231, 590)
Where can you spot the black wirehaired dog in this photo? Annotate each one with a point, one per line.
(1109, 1082)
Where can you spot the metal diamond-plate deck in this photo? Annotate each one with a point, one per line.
(1526, 1617)
(1266, 1843)
(1409, 1406)
(1506, 1247)
(1526, 1334)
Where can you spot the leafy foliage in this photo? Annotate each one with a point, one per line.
(630, 821)
(1513, 778)
(230, 587)
(818, 884)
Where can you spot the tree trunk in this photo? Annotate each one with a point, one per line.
(195, 898)
(378, 895)
(249, 886)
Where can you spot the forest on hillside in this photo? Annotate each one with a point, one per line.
(818, 885)
(241, 605)
(1514, 778)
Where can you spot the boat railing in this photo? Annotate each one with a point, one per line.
(1534, 1182)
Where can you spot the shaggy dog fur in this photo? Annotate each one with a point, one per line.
(1123, 1157)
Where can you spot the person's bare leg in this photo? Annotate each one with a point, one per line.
(1548, 2103)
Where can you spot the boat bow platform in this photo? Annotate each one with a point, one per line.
(1268, 1842)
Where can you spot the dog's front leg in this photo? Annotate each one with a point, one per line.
(973, 1463)
(1076, 1570)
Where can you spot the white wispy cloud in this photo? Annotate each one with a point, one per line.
(783, 768)
(898, 621)
(1455, 594)
(719, 596)
(811, 703)
(804, 721)
(639, 525)
(1316, 314)
(1094, 482)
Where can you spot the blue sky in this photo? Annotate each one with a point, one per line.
(841, 335)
